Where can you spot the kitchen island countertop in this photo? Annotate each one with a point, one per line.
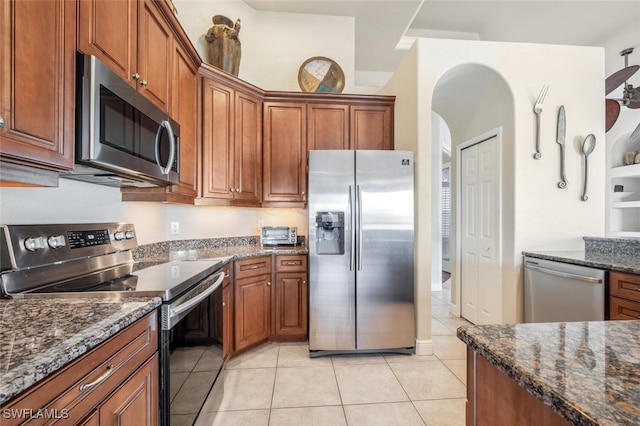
(587, 372)
(39, 336)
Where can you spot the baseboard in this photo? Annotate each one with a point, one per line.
(424, 347)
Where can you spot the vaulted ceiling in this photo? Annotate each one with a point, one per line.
(381, 24)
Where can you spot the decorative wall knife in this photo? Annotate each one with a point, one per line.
(562, 128)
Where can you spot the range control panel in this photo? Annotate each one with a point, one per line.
(24, 246)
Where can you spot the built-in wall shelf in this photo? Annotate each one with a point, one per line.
(625, 204)
(632, 171)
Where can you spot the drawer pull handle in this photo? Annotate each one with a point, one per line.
(292, 263)
(99, 380)
(637, 288)
(254, 266)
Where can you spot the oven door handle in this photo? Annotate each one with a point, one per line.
(199, 298)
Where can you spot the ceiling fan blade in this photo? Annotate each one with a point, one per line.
(619, 77)
(612, 113)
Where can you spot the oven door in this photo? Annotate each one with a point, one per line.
(190, 350)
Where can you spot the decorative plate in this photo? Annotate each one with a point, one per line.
(320, 74)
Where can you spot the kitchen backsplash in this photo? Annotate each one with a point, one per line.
(625, 246)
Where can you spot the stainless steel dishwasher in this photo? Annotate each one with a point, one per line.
(556, 291)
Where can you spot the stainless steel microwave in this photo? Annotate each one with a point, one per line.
(122, 138)
(278, 235)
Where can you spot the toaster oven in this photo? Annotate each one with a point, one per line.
(278, 236)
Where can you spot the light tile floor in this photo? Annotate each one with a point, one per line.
(278, 384)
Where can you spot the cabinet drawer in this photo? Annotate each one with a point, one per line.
(252, 267)
(622, 309)
(623, 285)
(106, 366)
(291, 263)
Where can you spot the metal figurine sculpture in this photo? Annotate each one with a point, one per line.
(224, 45)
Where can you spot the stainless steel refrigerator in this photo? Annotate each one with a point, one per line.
(361, 251)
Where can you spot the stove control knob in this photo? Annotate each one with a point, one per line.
(129, 235)
(119, 235)
(35, 243)
(56, 241)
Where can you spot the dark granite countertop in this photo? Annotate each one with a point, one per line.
(39, 336)
(587, 372)
(612, 261)
(228, 253)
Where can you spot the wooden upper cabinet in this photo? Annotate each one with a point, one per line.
(133, 39)
(108, 30)
(154, 54)
(217, 140)
(248, 148)
(372, 127)
(232, 142)
(285, 154)
(328, 126)
(37, 90)
(185, 98)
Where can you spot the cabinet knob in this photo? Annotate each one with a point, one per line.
(232, 190)
(144, 83)
(238, 190)
(637, 288)
(268, 282)
(135, 76)
(2, 122)
(224, 304)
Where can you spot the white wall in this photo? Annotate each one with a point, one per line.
(543, 217)
(274, 45)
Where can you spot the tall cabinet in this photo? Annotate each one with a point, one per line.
(37, 90)
(231, 141)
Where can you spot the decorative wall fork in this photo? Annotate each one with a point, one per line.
(537, 110)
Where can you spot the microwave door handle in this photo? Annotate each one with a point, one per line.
(172, 146)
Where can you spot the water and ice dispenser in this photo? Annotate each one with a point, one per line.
(329, 233)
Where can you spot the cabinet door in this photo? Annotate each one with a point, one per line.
(290, 318)
(248, 148)
(285, 154)
(371, 127)
(217, 139)
(328, 126)
(252, 311)
(184, 109)
(37, 86)
(108, 30)
(154, 55)
(136, 401)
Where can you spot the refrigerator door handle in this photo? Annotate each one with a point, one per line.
(352, 252)
(359, 211)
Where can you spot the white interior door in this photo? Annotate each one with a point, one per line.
(480, 286)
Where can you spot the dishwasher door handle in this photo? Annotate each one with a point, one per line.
(563, 274)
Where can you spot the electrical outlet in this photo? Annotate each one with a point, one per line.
(260, 223)
(175, 228)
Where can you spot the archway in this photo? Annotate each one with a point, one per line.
(472, 99)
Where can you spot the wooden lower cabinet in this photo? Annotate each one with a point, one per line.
(265, 305)
(252, 311)
(136, 401)
(624, 296)
(118, 378)
(252, 302)
(290, 307)
(494, 399)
